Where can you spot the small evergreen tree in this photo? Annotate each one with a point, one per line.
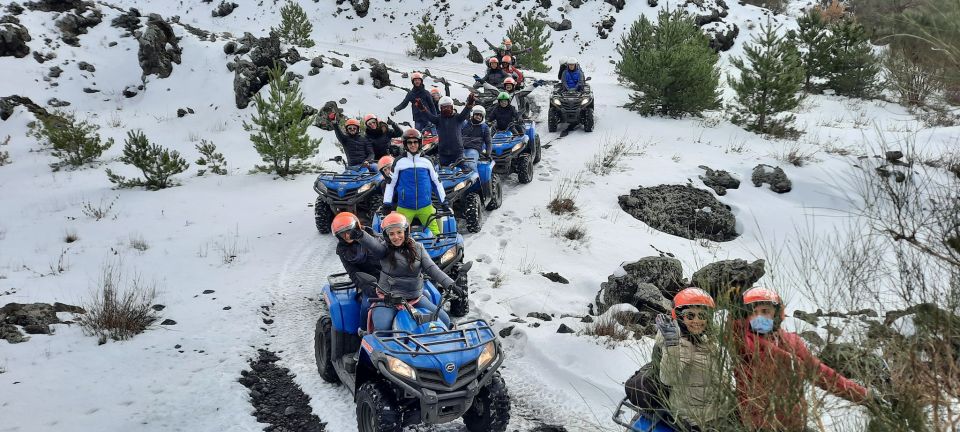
(530, 32)
(211, 159)
(156, 163)
(769, 83)
(426, 39)
(814, 43)
(853, 65)
(280, 126)
(670, 66)
(295, 26)
(74, 142)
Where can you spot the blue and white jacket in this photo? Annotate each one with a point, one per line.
(414, 183)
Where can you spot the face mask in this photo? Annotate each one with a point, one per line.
(446, 110)
(761, 324)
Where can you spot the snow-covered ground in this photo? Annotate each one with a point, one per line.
(251, 237)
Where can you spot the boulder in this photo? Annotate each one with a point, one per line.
(321, 121)
(14, 8)
(55, 72)
(540, 315)
(560, 26)
(617, 4)
(774, 176)
(159, 49)
(681, 210)
(225, 8)
(129, 21)
(335, 62)
(13, 40)
(11, 333)
(72, 25)
(721, 35)
(564, 329)
(555, 277)
(8, 103)
(638, 286)
(84, 66)
(718, 180)
(292, 56)
(265, 52)
(130, 91)
(719, 277)
(230, 48)
(474, 54)
(248, 79)
(57, 5)
(361, 7)
(379, 75)
(35, 318)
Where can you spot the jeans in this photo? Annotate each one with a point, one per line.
(471, 157)
(421, 214)
(383, 315)
(445, 160)
(372, 167)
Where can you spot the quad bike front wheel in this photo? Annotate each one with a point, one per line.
(371, 207)
(490, 410)
(524, 168)
(322, 350)
(587, 120)
(376, 410)
(322, 216)
(553, 120)
(496, 193)
(460, 306)
(472, 212)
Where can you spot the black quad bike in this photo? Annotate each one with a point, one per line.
(572, 107)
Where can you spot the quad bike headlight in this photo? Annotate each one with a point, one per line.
(320, 187)
(585, 102)
(487, 355)
(459, 186)
(556, 101)
(365, 188)
(517, 147)
(449, 255)
(400, 368)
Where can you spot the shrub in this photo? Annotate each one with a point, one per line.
(156, 163)
(426, 39)
(119, 309)
(210, 159)
(530, 32)
(769, 84)
(670, 66)
(295, 27)
(5, 155)
(910, 78)
(280, 125)
(74, 142)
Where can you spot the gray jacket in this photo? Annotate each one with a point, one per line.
(399, 279)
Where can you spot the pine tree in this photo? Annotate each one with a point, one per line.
(210, 159)
(74, 142)
(426, 39)
(670, 66)
(530, 32)
(280, 126)
(853, 65)
(814, 44)
(770, 82)
(295, 26)
(155, 162)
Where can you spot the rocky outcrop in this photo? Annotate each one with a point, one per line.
(58, 5)
(225, 8)
(250, 75)
(129, 21)
(8, 103)
(718, 180)
(474, 54)
(380, 75)
(361, 7)
(681, 210)
(646, 284)
(719, 277)
(159, 48)
(13, 40)
(774, 176)
(721, 35)
(563, 25)
(34, 318)
(72, 25)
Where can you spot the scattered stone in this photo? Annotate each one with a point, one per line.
(718, 180)
(57, 103)
(540, 315)
(72, 25)
(13, 40)
(721, 35)
(617, 4)
(575, 4)
(268, 321)
(225, 8)
(159, 49)
(894, 155)
(317, 62)
(354, 67)
(84, 66)
(361, 7)
(586, 319)
(57, 5)
(208, 291)
(276, 398)
(90, 90)
(227, 308)
(14, 8)
(720, 277)
(555, 277)
(564, 329)
(380, 75)
(37, 329)
(506, 331)
(168, 322)
(230, 48)
(130, 91)
(129, 21)
(560, 26)
(55, 72)
(39, 57)
(473, 53)
(181, 112)
(313, 71)
(8, 103)
(681, 210)
(335, 62)
(774, 176)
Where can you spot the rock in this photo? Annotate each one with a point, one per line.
(168, 322)
(545, 4)
(208, 291)
(540, 315)
(652, 3)
(37, 329)
(230, 48)
(833, 331)
(267, 321)
(576, 3)
(719, 180)
(63, 307)
(11, 333)
(57, 5)
(564, 329)
(72, 25)
(84, 66)
(13, 40)
(322, 121)
(625, 289)
(586, 319)
(57, 103)
(90, 90)
(379, 75)
(560, 26)
(181, 112)
(812, 338)
(681, 210)
(317, 62)
(264, 52)
(335, 62)
(618, 4)
(14, 8)
(129, 21)
(454, 49)
(159, 49)
(506, 331)
(8, 103)
(313, 71)
(130, 91)
(361, 7)
(857, 362)
(441, 51)
(665, 273)
(473, 53)
(224, 9)
(227, 308)
(354, 67)
(608, 22)
(29, 314)
(555, 277)
(248, 80)
(719, 277)
(774, 176)
(721, 35)
(55, 72)
(894, 155)
(292, 56)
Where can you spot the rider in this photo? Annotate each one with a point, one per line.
(404, 261)
(386, 168)
(418, 92)
(435, 94)
(448, 129)
(505, 116)
(380, 133)
(692, 364)
(507, 64)
(357, 147)
(518, 96)
(572, 77)
(507, 48)
(355, 257)
(563, 67)
(413, 185)
(476, 137)
(494, 75)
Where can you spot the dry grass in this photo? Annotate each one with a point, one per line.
(612, 151)
(70, 235)
(796, 156)
(138, 243)
(100, 211)
(564, 194)
(606, 326)
(116, 311)
(570, 231)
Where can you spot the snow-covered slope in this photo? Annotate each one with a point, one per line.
(250, 237)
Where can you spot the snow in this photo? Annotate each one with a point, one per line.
(68, 382)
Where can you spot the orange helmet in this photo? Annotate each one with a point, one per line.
(506, 60)
(493, 60)
(353, 122)
(385, 161)
(691, 297)
(764, 295)
(368, 117)
(344, 222)
(393, 220)
(434, 90)
(509, 80)
(416, 75)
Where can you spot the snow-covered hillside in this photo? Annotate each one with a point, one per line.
(239, 264)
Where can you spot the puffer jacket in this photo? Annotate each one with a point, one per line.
(414, 183)
(503, 117)
(771, 376)
(418, 93)
(356, 147)
(448, 131)
(380, 139)
(495, 77)
(400, 278)
(572, 79)
(698, 374)
(476, 137)
(358, 259)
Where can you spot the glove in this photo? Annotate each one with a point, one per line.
(393, 112)
(477, 78)
(471, 98)
(419, 105)
(668, 329)
(445, 207)
(391, 122)
(458, 290)
(385, 209)
(355, 234)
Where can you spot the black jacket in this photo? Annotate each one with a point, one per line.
(357, 259)
(477, 137)
(418, 93)
(381, 140)
(357, 147)
(502, 117)
(448, 130)
(495, 77)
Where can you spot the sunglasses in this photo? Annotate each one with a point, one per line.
(690, 315)
(411, 141)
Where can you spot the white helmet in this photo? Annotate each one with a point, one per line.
(564, 60)
(444, 101)
(478, 109)
(572, 60)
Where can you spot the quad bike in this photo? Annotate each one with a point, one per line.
(422, 371)
(572, 107)
(356, 190)
(446, 250)
(639, 420)
(429, 144)
(517, 153)
(469, 191)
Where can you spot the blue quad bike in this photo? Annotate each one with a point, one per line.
(639, 421)
(356, 190)
(446, 250)
(517, 153)
(422, 371)
(470, 191)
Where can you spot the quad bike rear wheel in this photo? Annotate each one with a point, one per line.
(322, 216)
(553, 120)
(322, 350)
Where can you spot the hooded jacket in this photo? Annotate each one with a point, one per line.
(398, 277)
(476, 137)
(448, 131)
(356, 147)
(418, 93)
(380, 140)
(414, 183)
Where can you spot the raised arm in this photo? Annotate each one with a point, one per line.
(428, 267)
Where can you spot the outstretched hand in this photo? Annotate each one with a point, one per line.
(417, 103)
(668, 329)
(471, 98)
